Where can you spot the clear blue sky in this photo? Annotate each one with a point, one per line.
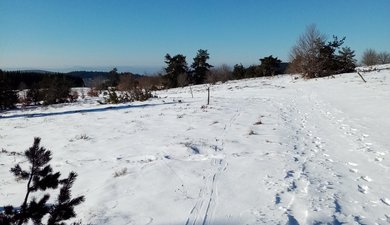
(62, 34)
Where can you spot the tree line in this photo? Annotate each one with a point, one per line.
(178, 74)
(313, 55)
(41, 88)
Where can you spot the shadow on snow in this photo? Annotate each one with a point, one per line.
(70, 112)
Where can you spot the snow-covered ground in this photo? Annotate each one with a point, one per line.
(265, 151)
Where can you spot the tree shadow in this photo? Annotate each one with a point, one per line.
(70, 112)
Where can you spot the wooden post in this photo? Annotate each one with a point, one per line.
(208, 95)
(361, 77)
(191, 92)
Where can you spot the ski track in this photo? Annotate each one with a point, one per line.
(203, 211)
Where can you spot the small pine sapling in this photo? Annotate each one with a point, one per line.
(40, 177)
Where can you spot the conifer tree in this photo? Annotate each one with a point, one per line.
(346, 59)
(200, 66)
(239, 71)
(8, 96)
(269, 65)
(176, 65)
(40, 177)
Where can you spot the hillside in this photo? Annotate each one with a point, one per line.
(265, 151)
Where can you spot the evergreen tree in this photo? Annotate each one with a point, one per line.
(327, 58)
(40, 176)
(113, 78)
(238, 71)
(8, 96)
(176, 65)
(269, 65)
(346, 60)
(54, 89)
(200, 66)
(253, 71)
(34, 95)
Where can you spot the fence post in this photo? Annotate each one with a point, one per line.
(361, 77)
(208, 95)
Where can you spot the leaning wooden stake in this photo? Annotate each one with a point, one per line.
(361, 77)
(208, 95)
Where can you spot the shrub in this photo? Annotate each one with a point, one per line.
(127, 82)
(370, 57)
(92, 92)
(269, 65)
(151, 82)
(222, 73)
(314, 57)
(384, 58)
(182, 80)
(238, 71)
(137, 94)
(121, 172)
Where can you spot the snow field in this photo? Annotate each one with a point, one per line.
(265, 151)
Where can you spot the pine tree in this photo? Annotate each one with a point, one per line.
(239, 71)
(269, 65)
(346, 60)
(41, 177)
(64, 208)
(200, 66)
(113, 78)
(176, 65)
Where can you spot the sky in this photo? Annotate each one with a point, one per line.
(62, 35)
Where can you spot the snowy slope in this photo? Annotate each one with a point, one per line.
(265, 151)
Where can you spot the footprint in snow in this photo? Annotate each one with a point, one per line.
(366, 178)
(353, 170)
(363, 189)
(378, 159)
(381, 153)
(386, 201)
(352, 164)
